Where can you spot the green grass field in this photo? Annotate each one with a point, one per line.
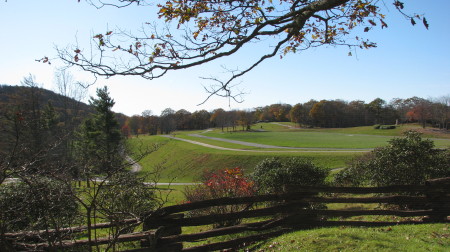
(424, 237)
(356, 137)
(365, 130)
(307, 139)
(184, 162)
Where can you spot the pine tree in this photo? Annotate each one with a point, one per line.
(99, 139)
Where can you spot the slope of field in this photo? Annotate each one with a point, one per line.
(181, 161)
(425, 237)
(362, 130)
(356, 137)
(185, 162)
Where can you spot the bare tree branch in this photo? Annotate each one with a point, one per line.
(200, 32)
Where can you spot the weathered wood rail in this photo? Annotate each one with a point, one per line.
(275, 214)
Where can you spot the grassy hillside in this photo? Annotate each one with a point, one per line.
(307, 139)
(425, 237)
(364, 130)
(355, 137)
(184, 162)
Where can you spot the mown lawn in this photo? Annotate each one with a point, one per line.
(184, 162)
(306, 139)
(357, 137)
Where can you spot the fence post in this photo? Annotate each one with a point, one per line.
(437, 194)
(297, 218)
(163, 230)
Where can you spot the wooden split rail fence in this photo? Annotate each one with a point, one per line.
(276, 214)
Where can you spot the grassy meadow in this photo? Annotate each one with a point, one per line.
(424, 237)
(185, 162)
(355, 137)
(181, 161)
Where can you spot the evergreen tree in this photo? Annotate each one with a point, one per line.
(99, 139)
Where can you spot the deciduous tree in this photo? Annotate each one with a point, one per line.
(218, 118)
(211, 30)
(167, 121)
(295, 113)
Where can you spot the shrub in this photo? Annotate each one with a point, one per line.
(272, 175)
(407, 160)
(376, 126)
(125, 196)
(219, 184)
(41, 203)
(387, 127)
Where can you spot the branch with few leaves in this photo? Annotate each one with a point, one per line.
(200, 32)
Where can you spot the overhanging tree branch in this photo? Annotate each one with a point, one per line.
(200, 32)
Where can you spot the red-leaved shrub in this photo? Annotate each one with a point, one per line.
(219, 184)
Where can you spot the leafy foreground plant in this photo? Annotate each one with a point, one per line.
(219, 184)
(36, 204)
(274, 175)
(410, 160)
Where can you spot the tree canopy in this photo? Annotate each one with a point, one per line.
(193, 32)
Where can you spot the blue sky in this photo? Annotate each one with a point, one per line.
(409, 61)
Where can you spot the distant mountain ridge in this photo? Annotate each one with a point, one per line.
(11, 96)
(28, 110)
(19, 96)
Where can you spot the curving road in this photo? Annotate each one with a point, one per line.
(135, 166)
(263, 146)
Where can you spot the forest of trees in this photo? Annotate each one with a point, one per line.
(432, 112)
(324, 113)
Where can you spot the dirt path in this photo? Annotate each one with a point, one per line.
(285, 149)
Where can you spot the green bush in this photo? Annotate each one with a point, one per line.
(125, 196)
(272, 175)
(410, 160)
(387, 127)
(41, 203)
(379, 126)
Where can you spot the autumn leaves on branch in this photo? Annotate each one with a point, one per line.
(192, 33)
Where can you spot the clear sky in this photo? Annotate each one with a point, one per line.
(409, 61)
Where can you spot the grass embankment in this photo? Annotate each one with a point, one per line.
(424, 237)
(306, 139)
(363, 130)
(185, 162)
(355, 137)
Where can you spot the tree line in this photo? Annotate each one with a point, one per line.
(338, 113)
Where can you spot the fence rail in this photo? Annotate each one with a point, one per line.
(162, 229)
